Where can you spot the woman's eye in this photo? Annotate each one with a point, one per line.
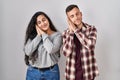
(44, 20)
(39, 22)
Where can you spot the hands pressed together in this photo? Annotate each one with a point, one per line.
(71, 26)
(39, 31)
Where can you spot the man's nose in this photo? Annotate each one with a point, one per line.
(75, 17)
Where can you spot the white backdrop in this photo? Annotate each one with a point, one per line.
(16, 14)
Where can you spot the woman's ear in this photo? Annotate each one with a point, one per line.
(81, 13)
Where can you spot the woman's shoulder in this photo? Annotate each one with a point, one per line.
(57, 33)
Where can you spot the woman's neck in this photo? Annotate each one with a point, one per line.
(49, 31)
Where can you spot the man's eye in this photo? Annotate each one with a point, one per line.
(77, 13)
(71, 16)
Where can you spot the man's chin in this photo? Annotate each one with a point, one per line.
(77, 24)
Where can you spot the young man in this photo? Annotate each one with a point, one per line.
(78, 46)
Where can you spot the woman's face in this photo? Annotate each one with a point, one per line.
(43, 23)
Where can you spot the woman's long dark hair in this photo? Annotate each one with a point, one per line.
(31, 34)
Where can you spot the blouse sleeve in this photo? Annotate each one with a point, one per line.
(32, 45)
(52, 46)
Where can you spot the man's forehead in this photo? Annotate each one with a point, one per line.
(73, 11)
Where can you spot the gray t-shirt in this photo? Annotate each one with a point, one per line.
(48, 47)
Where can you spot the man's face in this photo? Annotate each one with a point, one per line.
(75, 16)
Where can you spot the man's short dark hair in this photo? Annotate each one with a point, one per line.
(70, 7)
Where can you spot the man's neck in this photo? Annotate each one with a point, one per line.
(80, 25)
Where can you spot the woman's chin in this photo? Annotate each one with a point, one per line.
(43, 29)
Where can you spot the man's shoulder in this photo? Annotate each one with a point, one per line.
(89, 26)
(65, 31)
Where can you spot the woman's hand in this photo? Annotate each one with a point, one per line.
(39, 31)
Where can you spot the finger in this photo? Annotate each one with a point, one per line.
(36, 27)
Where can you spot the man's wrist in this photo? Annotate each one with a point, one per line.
(75, 29)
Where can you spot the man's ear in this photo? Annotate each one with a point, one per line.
(67, 15)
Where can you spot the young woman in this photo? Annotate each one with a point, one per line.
(42, 48)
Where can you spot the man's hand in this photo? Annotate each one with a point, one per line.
(72, 27)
